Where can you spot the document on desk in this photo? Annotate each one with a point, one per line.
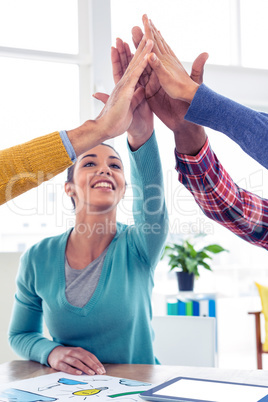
(64, 387)
(199, 390)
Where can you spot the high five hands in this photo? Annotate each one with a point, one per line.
(169, 89)
(170, 72)
(152, 80)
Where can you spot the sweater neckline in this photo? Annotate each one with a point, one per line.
(83, 311)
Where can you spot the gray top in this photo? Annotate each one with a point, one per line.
(81, 283)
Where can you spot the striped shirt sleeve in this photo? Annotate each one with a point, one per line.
(240, 211)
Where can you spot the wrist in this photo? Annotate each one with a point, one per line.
(135, 142)
(190, 91)
(87, 136)
(189, 138)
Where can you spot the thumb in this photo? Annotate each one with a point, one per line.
(158, 67)
(198, 68)
(101, 97)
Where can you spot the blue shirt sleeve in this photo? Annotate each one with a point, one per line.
(68, 145)
(247, 127)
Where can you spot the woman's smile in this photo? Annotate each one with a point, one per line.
(104, 185)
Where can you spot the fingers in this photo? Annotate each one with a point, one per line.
(137, 35)
(173, 79)
(116, 65)
(124, 54)
(147, 27)
(139, 61)
(150, 32)
(116, 116)
(74, 360)
(198, 68)
(101, 97)
(156, 65)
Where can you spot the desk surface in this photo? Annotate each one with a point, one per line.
(20, 369)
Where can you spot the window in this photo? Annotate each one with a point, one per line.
(39, 80)
(41, 25)
(254, 32)
(186, 25)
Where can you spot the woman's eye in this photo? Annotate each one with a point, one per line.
(115, 166)
(89, 164)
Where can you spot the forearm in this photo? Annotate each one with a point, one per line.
(28, 165)
(87, 136)
(25, 334)
(189, 138)
(221, 199)
(245, 126)
(136, 142)
(149, 208)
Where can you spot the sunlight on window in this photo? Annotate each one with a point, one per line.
(254, 33)
(36, 98)
(42, 25)
(187, 25)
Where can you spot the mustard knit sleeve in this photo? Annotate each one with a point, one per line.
(25, 166)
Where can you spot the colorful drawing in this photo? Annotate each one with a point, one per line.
(88, 392)
(17, 395)
(62, 387)
(133, 383)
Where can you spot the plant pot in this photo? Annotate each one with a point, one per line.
(185, 281)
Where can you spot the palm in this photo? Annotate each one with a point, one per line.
(142, 118)
(170, 111)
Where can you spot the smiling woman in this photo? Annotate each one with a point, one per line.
(81, 281)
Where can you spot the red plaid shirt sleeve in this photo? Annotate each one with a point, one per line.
(240, 211)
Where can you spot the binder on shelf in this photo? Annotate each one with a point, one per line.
(185, 306)
(207, 306)
(196, 308)
(203, 308)
(203, 305)
(172, 306)
(212, 308)
(189, 307)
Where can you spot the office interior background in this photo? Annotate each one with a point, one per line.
(55, 54)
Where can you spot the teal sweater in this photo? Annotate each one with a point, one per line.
(115, 324)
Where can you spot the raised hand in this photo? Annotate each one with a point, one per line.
(117, 114)
(171, 74)
(141, 126)
(170, 111)
(74, 360)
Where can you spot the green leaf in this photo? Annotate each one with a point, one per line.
(201, 255)
(214, 248)
(205, 265)
(191, 249)
(191, 265)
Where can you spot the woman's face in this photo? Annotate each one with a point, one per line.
(98, 180)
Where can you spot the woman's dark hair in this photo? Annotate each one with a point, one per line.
(70, 170)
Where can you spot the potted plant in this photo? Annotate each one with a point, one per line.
(186, 260)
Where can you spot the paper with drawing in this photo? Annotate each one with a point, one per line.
(64, 387)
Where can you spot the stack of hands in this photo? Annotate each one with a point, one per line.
(151, 81)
